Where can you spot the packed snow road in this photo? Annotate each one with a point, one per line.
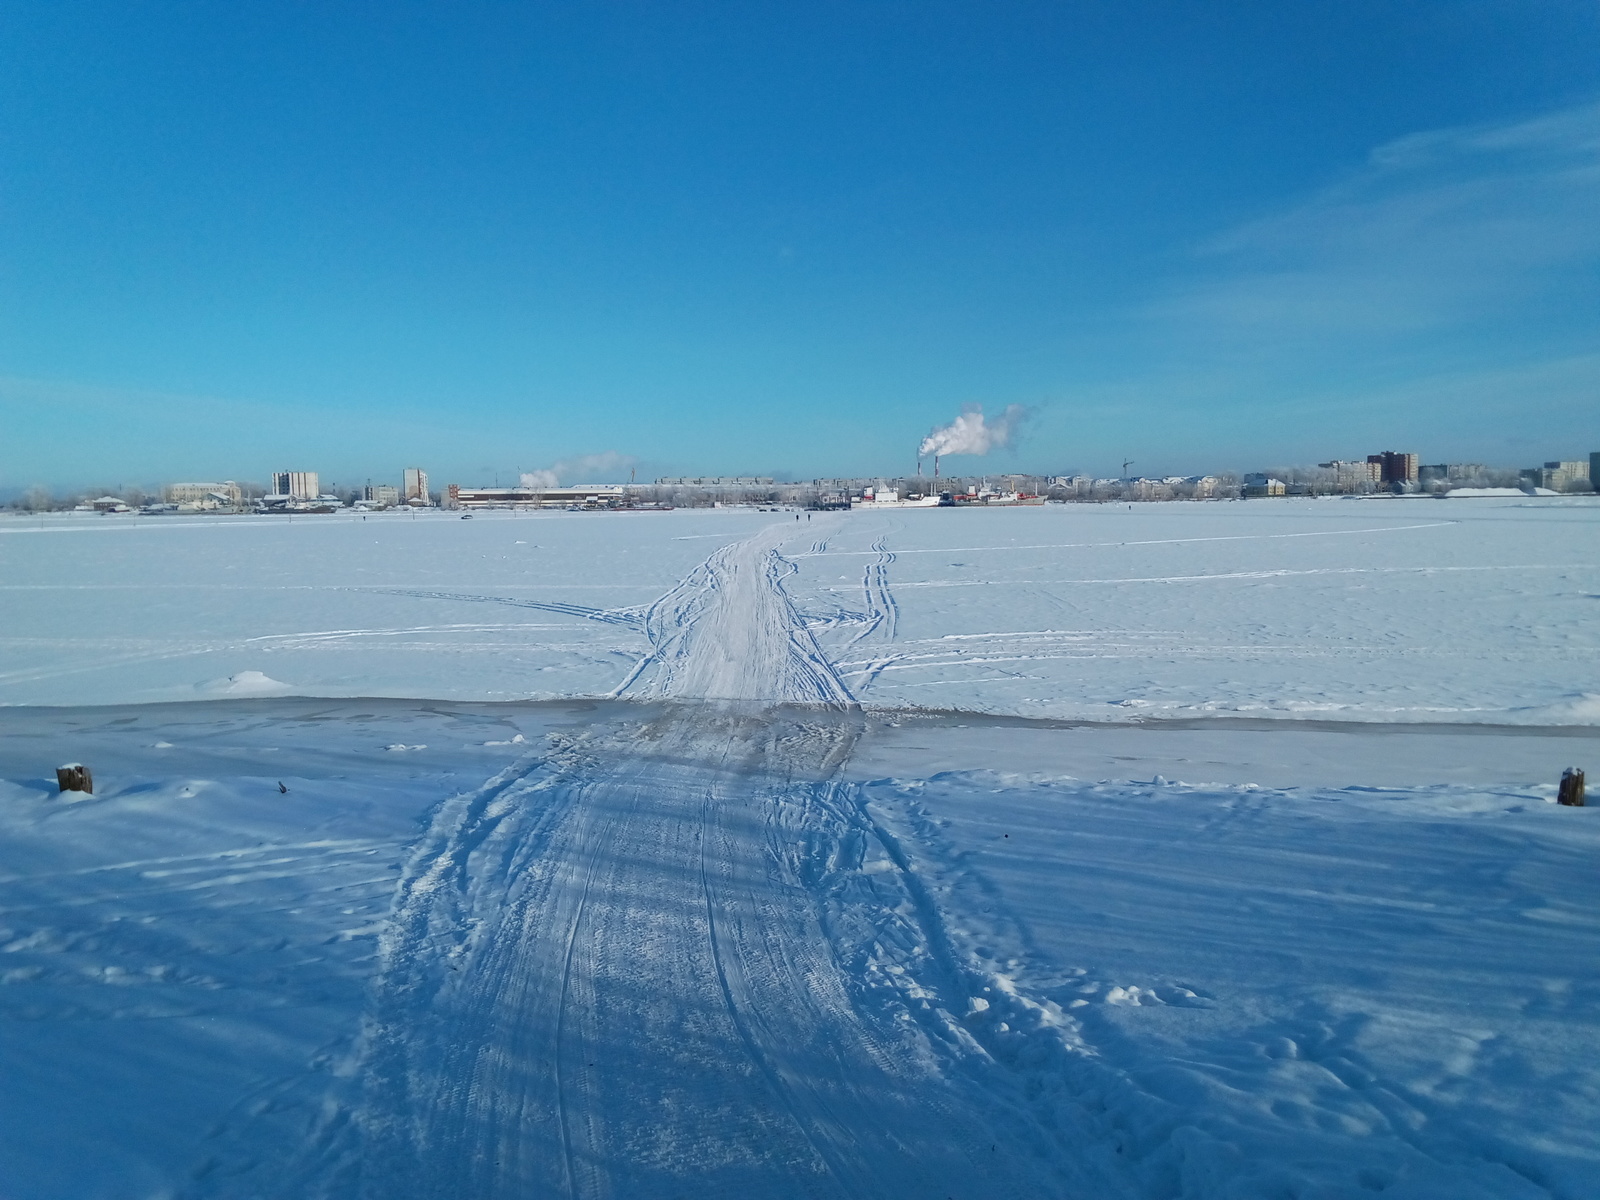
(678, 954)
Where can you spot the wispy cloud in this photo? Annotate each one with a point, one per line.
(1439, 231)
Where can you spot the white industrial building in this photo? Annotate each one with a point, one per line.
(206, 496)
(596, 495)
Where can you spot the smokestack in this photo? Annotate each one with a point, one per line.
(936, 466)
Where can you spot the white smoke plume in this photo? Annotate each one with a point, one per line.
(972, 433)
(585, 468)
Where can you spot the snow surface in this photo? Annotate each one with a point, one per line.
(717, 929)
(1386, 610)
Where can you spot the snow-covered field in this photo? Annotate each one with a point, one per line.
(1387, 610)
(1276, 903)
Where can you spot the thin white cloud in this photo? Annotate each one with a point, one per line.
(1440, 230)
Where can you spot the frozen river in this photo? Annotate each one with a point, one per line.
(1387, 610)
(740, 904)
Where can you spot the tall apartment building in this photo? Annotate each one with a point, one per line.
(384, 494)
(414, 488)
(1396, 468)
(297, 485)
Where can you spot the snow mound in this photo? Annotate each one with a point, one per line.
(1581, 709)
(246, 683)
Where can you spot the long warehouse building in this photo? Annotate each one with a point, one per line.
(604, 495)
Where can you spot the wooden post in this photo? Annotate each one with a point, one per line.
(1571, 791)
(74, 777)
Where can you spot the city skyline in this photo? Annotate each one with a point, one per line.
(1382, 472)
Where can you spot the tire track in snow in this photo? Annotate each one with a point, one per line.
(677, 952)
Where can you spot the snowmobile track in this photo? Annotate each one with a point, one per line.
(657, 958)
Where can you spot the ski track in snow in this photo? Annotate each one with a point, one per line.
(883, 613)
(679, 953)
(607, 616)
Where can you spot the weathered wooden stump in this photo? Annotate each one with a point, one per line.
(75, 777)
(1571, 790)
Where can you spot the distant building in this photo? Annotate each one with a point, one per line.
(1395, 468)
(384, 495)
(1354, 476)
(205, 496)
(296, 485)
(1444, 476)
(1560, 476)
(1263, 485)
(414, 488)
(1074, 485)
(717, 481)
(1594, 470)
(587, 496)
(1023, 485)
(1147, 489)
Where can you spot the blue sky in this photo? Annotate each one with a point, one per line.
(754, 238)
